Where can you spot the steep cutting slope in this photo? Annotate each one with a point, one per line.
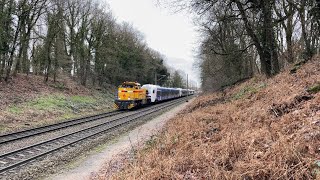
(260, 129)
(29, 101)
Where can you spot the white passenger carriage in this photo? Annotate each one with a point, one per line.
(157, 93)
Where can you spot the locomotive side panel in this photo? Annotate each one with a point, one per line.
(130, 95)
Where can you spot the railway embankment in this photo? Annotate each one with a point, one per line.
(35, 152)
(259, 129)
(27, 101)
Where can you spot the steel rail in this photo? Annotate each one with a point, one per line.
(40, 146)
(53, 127)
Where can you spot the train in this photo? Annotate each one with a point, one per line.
(131, 95)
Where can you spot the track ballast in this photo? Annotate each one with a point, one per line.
(11, 160)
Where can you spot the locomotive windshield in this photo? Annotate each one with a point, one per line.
(130, 85)
(126, 86)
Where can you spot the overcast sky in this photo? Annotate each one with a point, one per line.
(171, 34)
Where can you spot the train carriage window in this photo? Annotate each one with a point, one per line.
(153, 91)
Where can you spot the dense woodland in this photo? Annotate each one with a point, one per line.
(243, 38)
(81, 39)
(78, 38)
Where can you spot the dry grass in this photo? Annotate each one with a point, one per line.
(28, 101)
(239, 134)
(23, 88)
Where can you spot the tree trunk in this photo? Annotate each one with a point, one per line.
(289, 47)
(48, 64)
(13, 48)
(306, 39)
(289, 32)
(2, 62)
(25, 59)
(268, 40)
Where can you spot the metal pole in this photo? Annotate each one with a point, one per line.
(155, 78)
(187, 88)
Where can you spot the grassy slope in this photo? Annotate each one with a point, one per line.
(28, 102)
(260, 129)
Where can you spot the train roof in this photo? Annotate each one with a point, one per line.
(131, 83)
(150, 85)
(157, 86)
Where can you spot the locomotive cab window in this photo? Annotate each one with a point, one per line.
(126, 86)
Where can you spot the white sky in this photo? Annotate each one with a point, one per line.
(171, 34)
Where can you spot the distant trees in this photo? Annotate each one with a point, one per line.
(178, 80)
(79, 38)
(245, 37)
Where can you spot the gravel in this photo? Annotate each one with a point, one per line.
(113, 153)
(33, 140)
(53, 162)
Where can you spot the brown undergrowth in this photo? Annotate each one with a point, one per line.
(23, 88)
(28, 101)
(263, 129)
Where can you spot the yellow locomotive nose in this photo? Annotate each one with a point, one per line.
(130, 95)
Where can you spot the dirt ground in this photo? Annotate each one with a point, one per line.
(93, 165)
(258, 129)
(28, 101)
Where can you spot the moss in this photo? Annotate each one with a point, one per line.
(68, 115)
(3, 128)
(262, 85)
(314, 89)
(249, 90)
(83, 99)
(294, 69)
(15, 110)
(246, 90)
(58, 85)
(297, 66)
(59, 102)
(55, 107)
(151, 142)
(48, 102)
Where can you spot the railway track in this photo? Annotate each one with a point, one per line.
(44, 129)
(11, 160)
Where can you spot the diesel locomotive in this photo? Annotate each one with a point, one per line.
(132, 94)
